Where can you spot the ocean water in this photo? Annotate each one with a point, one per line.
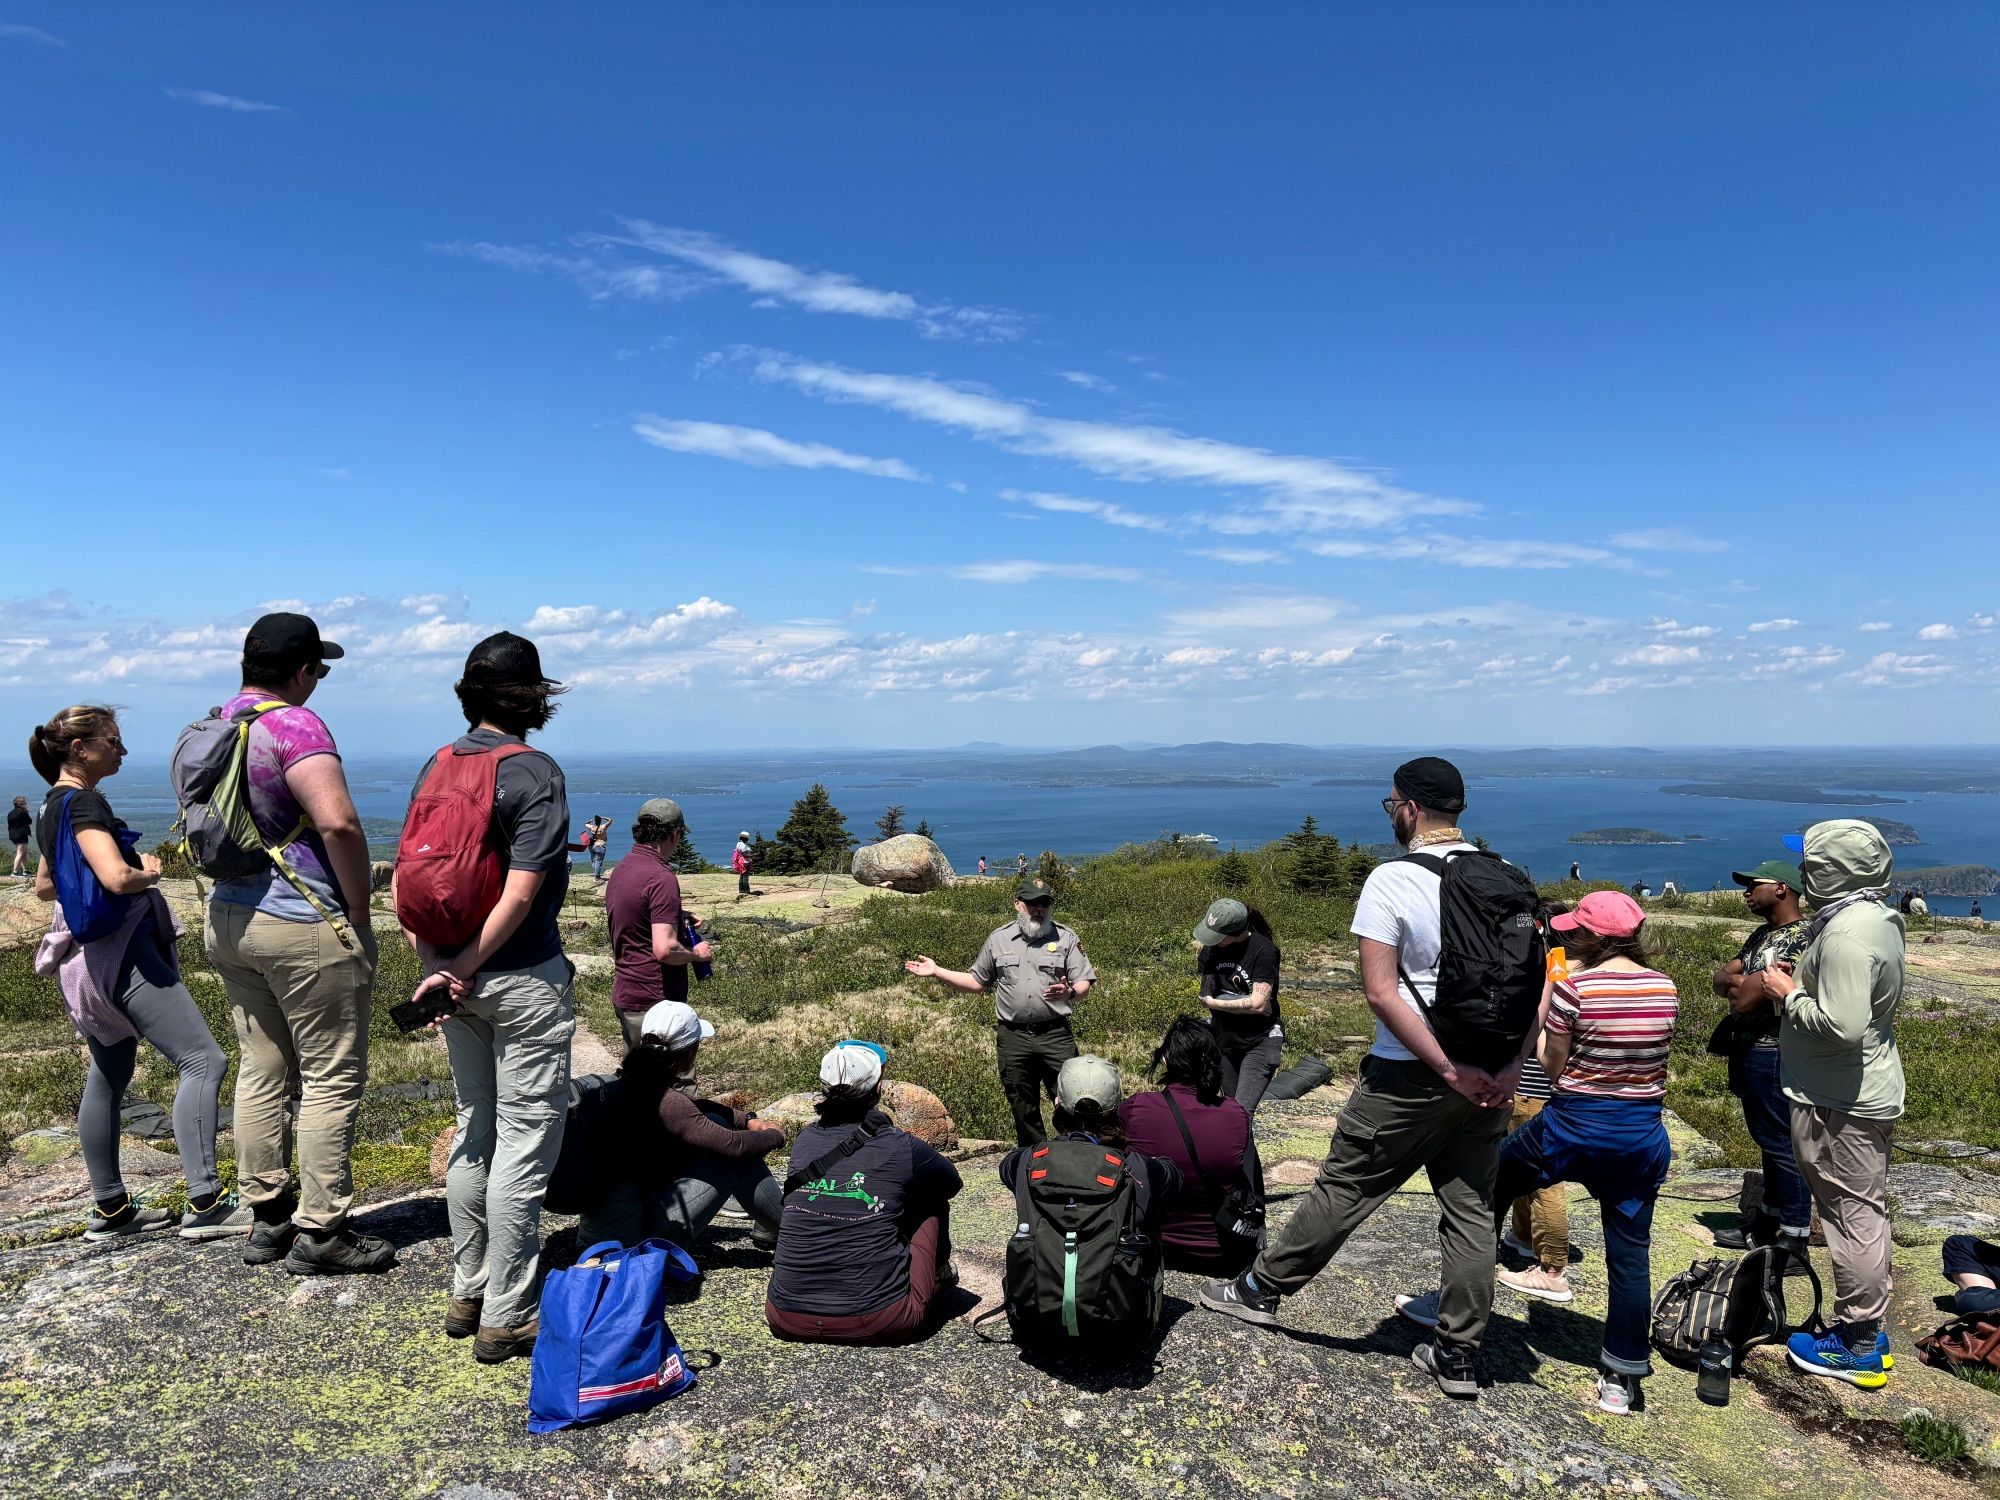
(1526, 818)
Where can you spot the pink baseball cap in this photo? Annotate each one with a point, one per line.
(1611, 914)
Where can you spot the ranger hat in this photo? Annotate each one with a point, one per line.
(1774, 870)
(1033, 888)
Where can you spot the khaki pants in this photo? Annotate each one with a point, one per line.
(1402, 1116)
(509, 1047)
(300, 1000)
(1541, 1220)
(1845, 1161)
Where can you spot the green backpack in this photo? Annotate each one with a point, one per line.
(1082, 1273)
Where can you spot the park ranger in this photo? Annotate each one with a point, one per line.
(1037, 970)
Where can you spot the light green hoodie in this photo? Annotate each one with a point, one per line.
(1837, 1047)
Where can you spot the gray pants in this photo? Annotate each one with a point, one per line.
(509, 1048)
(162, 1012)
(1246, 1071)
(1845, 1161)
(630, 1212)
(1402, 1116)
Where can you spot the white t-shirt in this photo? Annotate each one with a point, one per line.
(1399, 906)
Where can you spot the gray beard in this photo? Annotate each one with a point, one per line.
(1035, 931)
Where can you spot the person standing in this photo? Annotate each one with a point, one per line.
(1038, 970)
(508, 1033)
(1576, 870)
(740, 861)
(1414, 1106)
(1748, 1037)
(597, 838)
(1021, 865)
(297, 958)
(21, 822)
(642, 907)
(1239, 985)
(124, 985)
(1839, 1065)
(982, 867)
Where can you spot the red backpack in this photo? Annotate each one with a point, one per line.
(449, 872)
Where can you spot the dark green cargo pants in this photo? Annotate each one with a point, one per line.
(1030, 1057)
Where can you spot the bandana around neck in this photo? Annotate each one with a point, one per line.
(1438, 836)
(1827, 913)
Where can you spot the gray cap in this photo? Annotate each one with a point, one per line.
(1226, 919)
(1089, 1082)
(663, 810)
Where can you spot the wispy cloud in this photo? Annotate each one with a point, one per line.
(1242, 557)
(600, 281)
(1465, 552)
(1097, 510)
(1014, 570)
(1938, 633)
(753, 445)
(17, 33)
(209, 99)
(1875, 627)
(1673, 630)
(1766, 627)
(1667, 539)
(1660, 654)
(1089, 382)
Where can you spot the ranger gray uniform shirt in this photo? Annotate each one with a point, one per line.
(1017, 971)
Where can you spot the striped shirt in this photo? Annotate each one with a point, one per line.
(1620, 1022)
(1534, 1080)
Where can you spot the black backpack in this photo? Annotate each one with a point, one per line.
(1492, 960)
(1741, 1302)
(1083, 1276)
(577, 1181)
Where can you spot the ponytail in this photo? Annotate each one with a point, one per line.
(50, 745)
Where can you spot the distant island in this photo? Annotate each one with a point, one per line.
(1622, 836)
(1779, 791)
(1950, 880)
(1892, 832)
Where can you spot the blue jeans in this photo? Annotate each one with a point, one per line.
(1628, 1234)
(1753, 1078)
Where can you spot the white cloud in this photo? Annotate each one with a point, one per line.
(1893, 669)
(600, 281)
(30, 34)
(1089, 382)
(209, 99)
(1984, 622)
(1100, 510)
(1938, 633)
(1876, 627)
(1660, 655)
(1673, 630)
(1014, 570)
(1765, 627)
(1242, 557)
(753, 445)
(1464, 552)
(1667, 539)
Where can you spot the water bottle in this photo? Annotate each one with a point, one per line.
(1712, 1382)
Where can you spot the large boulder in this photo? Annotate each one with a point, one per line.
(907, 862)
(380, 873)
(914, 1109)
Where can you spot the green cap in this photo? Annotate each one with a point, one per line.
(1771, 869)
(1226, 919)
(1089, 1081)
(663, 810)
(1033, 888)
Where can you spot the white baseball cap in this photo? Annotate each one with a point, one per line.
(675, 1026)
(853, 1065)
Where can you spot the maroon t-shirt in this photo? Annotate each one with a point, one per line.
(643, 890)
(1221, 1137)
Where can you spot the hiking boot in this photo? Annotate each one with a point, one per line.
(461, 1319)
(1618, 1394)
(1455, 1370)
(765, 1239)
(1830, 1356)
(1239, 1301)
(1421, 1309)
(218, 1221)
(497, 1345)
(270, 1240)
(341, 1253)
(128, 1221)
(1748, 1234)
(1538, 1281)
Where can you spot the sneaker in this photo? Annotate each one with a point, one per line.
(1512, 1244)
(1455, 1370)
(270, 1240)
(497, 1345)
(1829, 1355)
(1421, 1309)
(218, 1221)
(339, 1254)
(1538, 1281)
(1231, 1297)
(1882, 1348)
(1615, 1393)
(461, 1319)
(128, 1221)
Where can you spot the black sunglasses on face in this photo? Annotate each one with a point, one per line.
(1038, 905)
(320, 669)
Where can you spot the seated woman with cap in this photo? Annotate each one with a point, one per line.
(675, 1158)
(1088, 1091)
(864, 1247)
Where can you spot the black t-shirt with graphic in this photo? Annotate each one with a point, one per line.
(1231, 971)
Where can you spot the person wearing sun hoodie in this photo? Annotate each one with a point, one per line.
(1838, 1064)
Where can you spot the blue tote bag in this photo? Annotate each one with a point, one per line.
(89, 910)
(604, 1348)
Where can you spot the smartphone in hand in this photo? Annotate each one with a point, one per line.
(412, 1016)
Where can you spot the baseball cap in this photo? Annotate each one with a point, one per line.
(1034, 888)
(663, 810)
(1089, 1081)
(675, 1025)
(1611, 914)
(1226, 919)
(1772, 869)
(853, 1065)
(507, 657)
(282, 638)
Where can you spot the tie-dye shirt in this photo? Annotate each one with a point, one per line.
(278, 741)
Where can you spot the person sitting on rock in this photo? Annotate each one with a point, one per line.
(1192, 1117)
(864, 1247)
(1973, 1266)
(678, 1158)
(1088, 1092)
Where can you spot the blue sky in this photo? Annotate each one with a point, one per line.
(906, 375)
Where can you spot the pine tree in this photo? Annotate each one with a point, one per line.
(1358, 865)
(1054, 872)
(1234, 871)
(1303, 835)
(687, 859)
(923, 830)
(891, 822)
(814, 838)
(1317, 867)
(764, 855)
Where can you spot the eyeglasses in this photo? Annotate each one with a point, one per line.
(1390, 804)
(1038, 905)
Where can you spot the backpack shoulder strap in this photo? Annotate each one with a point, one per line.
(1436, 864)
(819, 1166)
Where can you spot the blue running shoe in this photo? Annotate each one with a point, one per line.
(1829, 1355)
(1882, 1348)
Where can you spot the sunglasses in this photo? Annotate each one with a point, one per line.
(320, 669)
(1039, 905)
(109, 739)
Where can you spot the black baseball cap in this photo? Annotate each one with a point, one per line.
(507, 657)
(283, 639)
(1034, 888)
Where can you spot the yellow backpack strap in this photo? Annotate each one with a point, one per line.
(341, 926)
